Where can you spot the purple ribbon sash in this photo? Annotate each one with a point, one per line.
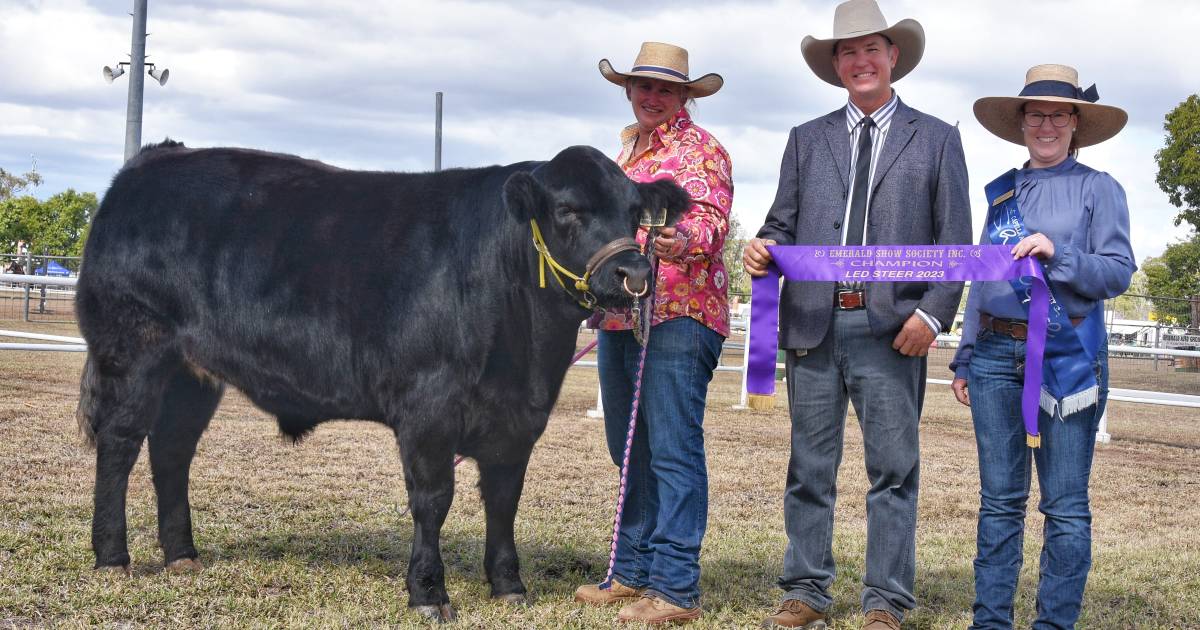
(1069, 384)
(895, 263)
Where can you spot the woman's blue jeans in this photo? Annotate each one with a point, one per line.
(666, 503)
(1064, 464)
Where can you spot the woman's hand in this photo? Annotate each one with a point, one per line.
(1038, 245)
(669, 244)
(755, 256)
(959, 387)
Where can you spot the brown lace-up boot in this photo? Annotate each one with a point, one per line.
(881, 620)
(654, 611)
(794, 613)
(596, 596)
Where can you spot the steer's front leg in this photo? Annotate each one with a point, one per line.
(429, 477)
(500, 485)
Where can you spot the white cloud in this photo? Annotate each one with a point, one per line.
(353, 83)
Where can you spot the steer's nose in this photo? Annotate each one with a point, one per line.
(633, 278)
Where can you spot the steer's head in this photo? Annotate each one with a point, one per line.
(582, 203)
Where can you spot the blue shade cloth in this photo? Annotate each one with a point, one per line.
(1084, 212)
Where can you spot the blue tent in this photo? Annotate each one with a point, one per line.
(55, 270)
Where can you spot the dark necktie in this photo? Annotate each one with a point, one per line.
(862, 180)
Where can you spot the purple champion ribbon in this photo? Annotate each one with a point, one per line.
(895, 263)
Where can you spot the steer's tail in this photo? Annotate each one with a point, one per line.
(85, 413)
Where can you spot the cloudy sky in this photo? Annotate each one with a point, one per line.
(353, 83)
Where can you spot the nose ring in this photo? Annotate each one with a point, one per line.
(645, 288)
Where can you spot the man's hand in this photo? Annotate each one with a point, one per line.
(1038, 245)
(755, 256)
(914, 338)
(959, 387)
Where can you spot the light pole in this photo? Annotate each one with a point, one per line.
(136, 63)
(437, 133)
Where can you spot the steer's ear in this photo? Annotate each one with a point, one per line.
(524, 196)
(665, 193)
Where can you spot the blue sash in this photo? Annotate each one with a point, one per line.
(1068, 382)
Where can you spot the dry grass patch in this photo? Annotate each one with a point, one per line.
(313, 535)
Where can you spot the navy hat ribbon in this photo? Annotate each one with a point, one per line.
(1061, 89)
(661, 70)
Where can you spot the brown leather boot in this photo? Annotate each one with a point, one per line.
(794, 613)
(881, 620)
(653, 611)
(596, 596)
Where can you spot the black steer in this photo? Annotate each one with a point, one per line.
(407, 299)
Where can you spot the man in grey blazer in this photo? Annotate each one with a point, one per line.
(874, 172)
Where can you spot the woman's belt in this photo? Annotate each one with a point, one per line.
(1016, 328)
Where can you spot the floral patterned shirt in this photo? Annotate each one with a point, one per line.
(694, 283)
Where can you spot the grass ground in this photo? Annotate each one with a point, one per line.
(314, 535)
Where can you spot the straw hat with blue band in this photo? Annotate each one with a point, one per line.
(1053, 83)
(859, 18)
(666, 63)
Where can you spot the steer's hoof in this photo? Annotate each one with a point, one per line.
(515, 599)
(184, 565)
(441, 614)
(120, 570)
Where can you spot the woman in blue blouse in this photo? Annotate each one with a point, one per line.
(1075, 221)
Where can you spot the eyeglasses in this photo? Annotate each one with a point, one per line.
(1058, 119)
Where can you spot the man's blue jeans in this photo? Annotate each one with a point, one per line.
(886, 388)
(666, 503)
(1064, 464)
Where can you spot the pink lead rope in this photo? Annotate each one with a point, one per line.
(648, 315)
(637, 395)
(586, 349)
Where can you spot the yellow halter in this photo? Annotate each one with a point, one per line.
(581, 282)
(545, 259)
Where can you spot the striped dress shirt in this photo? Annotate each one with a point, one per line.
(882, 118)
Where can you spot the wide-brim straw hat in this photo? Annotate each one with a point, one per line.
(1054, 83)
(667, 63)
(858, 18)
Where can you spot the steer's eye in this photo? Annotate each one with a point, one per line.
(569, 217)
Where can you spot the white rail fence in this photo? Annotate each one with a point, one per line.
(69, 344)
(76, 344)
(1102, 435)
(58, 281)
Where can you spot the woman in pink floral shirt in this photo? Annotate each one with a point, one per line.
(657, 570)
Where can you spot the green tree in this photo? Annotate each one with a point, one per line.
(1126, 306)
(57, 226)
(1175, 274)
(735, 241)
(1179, 161)
(12, 184)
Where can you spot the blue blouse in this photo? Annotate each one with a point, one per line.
(1084, 213)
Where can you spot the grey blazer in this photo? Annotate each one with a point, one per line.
(920, 197)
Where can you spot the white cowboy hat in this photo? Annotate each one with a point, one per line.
(667, 63)
(857, 18)
(1055, 83)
